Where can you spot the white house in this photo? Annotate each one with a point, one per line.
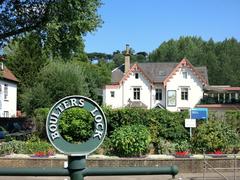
(8, 92)
(172, 86)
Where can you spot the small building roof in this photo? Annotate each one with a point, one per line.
(8, 75)
(157, 72)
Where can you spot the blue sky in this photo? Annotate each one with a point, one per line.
(145, 24)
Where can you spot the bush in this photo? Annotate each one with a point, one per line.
(76, 125)
(30, 146)
(130, 140)
(40, 116)
(182, 146)
(165, 147)
(12, 147)
(166, 125)
(214, 135)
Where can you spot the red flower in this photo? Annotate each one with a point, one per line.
(182, 153)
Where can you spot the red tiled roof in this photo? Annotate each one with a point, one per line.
(7, 74)
(232, 88)
(186, 63)
(132, 69)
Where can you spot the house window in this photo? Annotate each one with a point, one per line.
(112, 93)
(5, 91)
(136, 75)
(184, 93)
(5, 114)
(136, 93)
(158, 95)
(184, 74)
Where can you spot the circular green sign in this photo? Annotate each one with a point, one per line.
(99, 130)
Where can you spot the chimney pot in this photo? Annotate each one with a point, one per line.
(127, 59)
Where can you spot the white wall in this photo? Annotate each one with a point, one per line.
(154, 101)
(10, 104)
(125, 92)
(114, 102)
(195, 91)
(142, 83)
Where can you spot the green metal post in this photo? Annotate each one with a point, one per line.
(76, 164)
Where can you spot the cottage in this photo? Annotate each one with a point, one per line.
(8, 92)
(172, 86)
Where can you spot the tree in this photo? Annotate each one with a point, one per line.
(22, 16)
(118, 59)
(55, 81)
(221, 58)
(25, 58)
(61, 24)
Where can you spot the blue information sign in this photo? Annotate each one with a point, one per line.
(199, 113)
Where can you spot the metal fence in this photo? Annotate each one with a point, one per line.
(228, 172)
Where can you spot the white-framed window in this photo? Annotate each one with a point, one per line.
(112, 93)
(184, 74)
(136, 93)
(184, 93)
(5, 114)
(158, 95)
(5, 91)
(136, 75)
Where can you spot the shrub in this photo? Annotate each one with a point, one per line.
(40, 116)
(165, 147)
(30, 146)
(182, 146)
(12, 147)
(214, 135)
(130, 140)
(166, 125)
(75, 125)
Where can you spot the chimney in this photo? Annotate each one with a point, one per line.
(127, 59)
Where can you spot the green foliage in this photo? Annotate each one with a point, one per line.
(164, 147)
(214, 135)
(39, 117)
(125, 116)
(221, 58)
(25, 58)
(182, 146)
(232, 118)
(30, 146)
(75, 125)
(12, 147)
(34, 144)
(162, 124)
(130, 140)
(55, 81)
(60, 24)
(166, 125)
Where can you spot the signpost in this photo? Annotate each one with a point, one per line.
(190, 123)
(77, 153)
(199, 113)
(98, 134)
(195, 114)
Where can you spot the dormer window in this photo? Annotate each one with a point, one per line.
(112, 93)
(136, 75)
(184, 74)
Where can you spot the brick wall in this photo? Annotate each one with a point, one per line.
(187, 165)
